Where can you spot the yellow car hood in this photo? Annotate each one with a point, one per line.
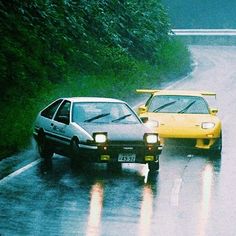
(184, 125)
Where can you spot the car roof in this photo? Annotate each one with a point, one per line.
(92, 99)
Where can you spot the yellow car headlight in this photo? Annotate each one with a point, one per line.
(100, 137)
(208, 125)
(151, 138)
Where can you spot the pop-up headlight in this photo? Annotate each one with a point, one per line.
(151, 138)
(100, 137)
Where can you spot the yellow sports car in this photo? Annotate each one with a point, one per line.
(184, 115)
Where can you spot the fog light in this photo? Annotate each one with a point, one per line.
(149, 158)
(105, 158)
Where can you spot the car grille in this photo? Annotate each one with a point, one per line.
(126, 143)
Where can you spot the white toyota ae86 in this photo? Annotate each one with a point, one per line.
(89, 129)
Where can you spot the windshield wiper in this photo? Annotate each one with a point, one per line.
(97, 117)
(121, 118)
(187, 107)
(163, 106)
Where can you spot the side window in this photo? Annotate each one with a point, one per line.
(63, 114)
(51, 109)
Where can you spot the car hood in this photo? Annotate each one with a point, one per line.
(178, 125)
(117, 132)
(182, 119)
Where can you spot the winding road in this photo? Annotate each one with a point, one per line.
(193, 194)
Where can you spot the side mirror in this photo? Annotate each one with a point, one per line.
(142, 109)
(213, 111)
(144, 119)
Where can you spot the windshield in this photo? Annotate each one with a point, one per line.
(178, 104)
(103, 112)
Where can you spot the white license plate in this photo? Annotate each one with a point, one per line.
(126, 157)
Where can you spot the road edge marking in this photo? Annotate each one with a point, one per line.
(17, 172)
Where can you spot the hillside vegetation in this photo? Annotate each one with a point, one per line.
(79, 48)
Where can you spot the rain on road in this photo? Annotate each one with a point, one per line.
(193, 194)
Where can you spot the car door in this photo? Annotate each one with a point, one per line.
(60, 126)
(45, 119)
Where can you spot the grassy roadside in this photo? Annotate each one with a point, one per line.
(18, 116)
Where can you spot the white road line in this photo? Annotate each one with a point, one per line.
(174, 198)
(17, 172)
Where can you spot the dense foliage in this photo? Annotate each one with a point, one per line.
(41, 39)
(44, 45)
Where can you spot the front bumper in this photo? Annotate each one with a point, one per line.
(120, 153)
(199, 143)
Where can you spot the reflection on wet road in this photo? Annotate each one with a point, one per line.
(146, 211)
(193, 194)
(95, 212)
(207, 179)
(51, 199)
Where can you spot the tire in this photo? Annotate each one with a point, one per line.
(153, 166)
(217, 147)
(75, 163)
(43, 147)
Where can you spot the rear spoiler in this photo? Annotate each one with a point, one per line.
(152, 91)
(147, 90)
(205, 93)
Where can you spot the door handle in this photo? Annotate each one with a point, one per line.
(55, 127)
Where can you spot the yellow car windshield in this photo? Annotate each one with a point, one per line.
(178, 104)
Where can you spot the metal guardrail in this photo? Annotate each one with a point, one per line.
(205, 32)
(206, 36)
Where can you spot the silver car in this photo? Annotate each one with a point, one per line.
(89, 129)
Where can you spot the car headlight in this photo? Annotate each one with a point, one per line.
(208, 125)
(151, 138)
(100, 137)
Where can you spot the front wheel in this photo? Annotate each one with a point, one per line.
(153, 166)
(217, 147)
(43, 148)
(75, 161)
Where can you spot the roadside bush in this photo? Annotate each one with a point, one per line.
(174, 58)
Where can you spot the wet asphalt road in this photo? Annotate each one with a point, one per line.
(193, 194)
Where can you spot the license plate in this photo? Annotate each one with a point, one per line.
(126, 157)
